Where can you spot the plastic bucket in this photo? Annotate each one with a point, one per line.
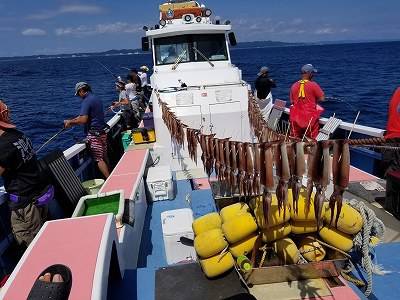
(93, 186)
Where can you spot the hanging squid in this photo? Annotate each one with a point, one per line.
(321, 179)
(340, 174)
(311, 162)
(258, 161)
(234, 167)
(297, 178)
(241, 159)
(282, 188)
(268, 181)
(249, 148)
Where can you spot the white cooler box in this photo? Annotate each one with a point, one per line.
(159, 182)
(176, 224)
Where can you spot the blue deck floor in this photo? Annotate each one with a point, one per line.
(140, 283)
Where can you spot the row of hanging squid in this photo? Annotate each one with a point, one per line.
(247, 169)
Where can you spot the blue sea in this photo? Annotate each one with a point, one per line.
(362, 76)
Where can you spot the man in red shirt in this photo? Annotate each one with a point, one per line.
(392, 157)
(304, 111)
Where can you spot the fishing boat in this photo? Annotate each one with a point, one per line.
(133, 239)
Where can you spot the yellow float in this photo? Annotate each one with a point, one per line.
(217, 265)
(243, 247)
(210, 243)
(287, 251)
(206, 223)
(302, 214)
(301, 227)
(275, 216)
(234, 210)
(239, 227)
(311, 250)
(350, 220)
(276, 233)
(336, 238)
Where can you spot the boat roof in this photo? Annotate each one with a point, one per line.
(181, 29)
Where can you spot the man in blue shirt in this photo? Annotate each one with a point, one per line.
(92, 117)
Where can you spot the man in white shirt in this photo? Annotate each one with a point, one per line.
(145, 85)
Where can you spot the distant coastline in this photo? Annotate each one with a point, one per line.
(242, 45)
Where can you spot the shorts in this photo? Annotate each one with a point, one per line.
(26, 222)
(298, 132)
(98, 146)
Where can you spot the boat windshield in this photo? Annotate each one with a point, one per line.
(169, 49)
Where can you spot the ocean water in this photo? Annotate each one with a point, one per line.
(40, 92)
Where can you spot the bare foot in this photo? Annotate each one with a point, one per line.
(47, 277)
(57, 278)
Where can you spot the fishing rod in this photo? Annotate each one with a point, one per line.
(108, 70)
(50, 139)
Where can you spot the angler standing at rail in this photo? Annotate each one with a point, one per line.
(92, 117)
(125, 105)
(263, 85)
(28, 193)
(145, 83)
(305, 111)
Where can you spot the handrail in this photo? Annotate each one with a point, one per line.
(79, 147)
(372, 131)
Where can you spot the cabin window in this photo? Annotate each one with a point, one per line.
(182, 48)
(212, 46)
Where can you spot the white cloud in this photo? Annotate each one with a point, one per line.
(33, 32)
(326, 30)
(67, 9)
(80, 9)
(83, 30)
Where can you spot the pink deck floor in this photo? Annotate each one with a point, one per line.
(78, 251)
(126, 174)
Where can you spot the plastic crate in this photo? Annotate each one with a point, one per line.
(143, 135)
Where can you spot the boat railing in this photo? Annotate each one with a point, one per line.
(357, 129)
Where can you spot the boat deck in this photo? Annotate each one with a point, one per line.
(140, 283)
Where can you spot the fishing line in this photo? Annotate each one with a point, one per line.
(107, 69)
(343, 101)
(50, 139)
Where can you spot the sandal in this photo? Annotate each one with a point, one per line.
(52, 290)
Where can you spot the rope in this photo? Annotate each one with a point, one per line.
(345, 272)
(372, 226)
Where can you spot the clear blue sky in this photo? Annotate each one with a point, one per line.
(59, 26)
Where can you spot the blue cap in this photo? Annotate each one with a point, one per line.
(308, 68)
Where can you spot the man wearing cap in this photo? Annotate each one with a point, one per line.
(92, 117)
(28, 193)
(263, 85)
(145, 84)
(125, 105)
(305, 111)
